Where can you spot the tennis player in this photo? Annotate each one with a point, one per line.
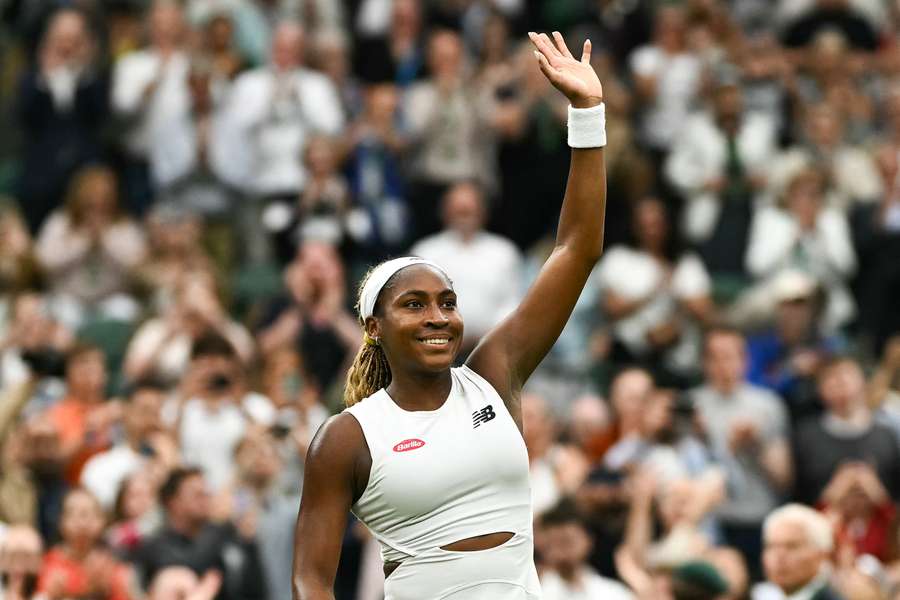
(429, 457)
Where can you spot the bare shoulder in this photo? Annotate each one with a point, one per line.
(339, 452)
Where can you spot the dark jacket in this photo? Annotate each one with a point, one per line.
(215, 547)
(827, 593)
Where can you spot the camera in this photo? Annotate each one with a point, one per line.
(219, 382)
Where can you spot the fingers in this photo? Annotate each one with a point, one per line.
(544, 45)
(548, 70)
(586, 53)
(561, 45)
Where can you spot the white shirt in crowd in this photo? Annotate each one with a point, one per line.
(132, 76)
(104, 473)
(677, 82)
(177, 142)
(209, 434)
(637, 276)
(452, 139)
(275, 114)
(777, 243)
(770, 591)
(590, 586)
(699, 155)
(486, 273)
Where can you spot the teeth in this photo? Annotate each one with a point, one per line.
(436, 341)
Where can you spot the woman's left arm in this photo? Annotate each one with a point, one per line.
(511, 351)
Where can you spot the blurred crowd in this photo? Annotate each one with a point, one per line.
(191, 191)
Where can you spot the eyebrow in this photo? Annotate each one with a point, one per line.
(443, 292)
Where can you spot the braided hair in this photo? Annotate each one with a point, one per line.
(370, 370)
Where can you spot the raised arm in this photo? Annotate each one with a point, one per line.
(337, 464)
(510, 352)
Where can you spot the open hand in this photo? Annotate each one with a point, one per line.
(575, 79)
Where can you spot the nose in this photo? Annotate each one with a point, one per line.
(436, 317)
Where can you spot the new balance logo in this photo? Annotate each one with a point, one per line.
(482, 416)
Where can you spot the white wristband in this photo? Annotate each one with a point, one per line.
(587, 126)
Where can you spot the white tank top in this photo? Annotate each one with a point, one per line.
(444, 475)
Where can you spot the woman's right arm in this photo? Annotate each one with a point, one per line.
(336, 472)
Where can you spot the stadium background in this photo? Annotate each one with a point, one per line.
(190, 192)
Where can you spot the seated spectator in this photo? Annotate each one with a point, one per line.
(604, 496)
(220, 48)
(191, 160)
(80, 566)
(718, 163)
(213, 409)
(557, 470)
(563, 549)
(180, 583)
(41, 492)
(89, 250)
(448, 125)
(375, 177)
(829, 75)
(299, 414)
(176, 253)
(764, 73)
(21, 552)
(746, 428)
(320, 211)
(798, 544)
(254, 494)
(803, 234)
(190, 538)
(62, 106)
(489, 293)
(848, 170)
(83, 418)
(846, 432)
(667, 79)
(312, 317)
(590, 426)
(396, 53)
(876, 238)
(144, 447)
(34, 343)
(656, 297)
(135, 514)
(278, 106)
(529, 119)
(331, 56)
(162, 346)
(18, 268)
(149, 89)
(650, 567)
(861, 511)
(785, 358)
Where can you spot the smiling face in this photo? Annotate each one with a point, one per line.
(417, 322)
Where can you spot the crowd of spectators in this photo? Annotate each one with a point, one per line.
(191, 190)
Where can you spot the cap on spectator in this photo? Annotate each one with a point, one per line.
(790, 285)
(701, 577)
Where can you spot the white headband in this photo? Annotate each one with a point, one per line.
(380, 276)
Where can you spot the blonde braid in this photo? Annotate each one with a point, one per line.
(370, 370)
(369, 373)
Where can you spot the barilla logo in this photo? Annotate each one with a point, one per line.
(407, 445)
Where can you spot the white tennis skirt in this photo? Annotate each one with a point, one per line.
(506, 572)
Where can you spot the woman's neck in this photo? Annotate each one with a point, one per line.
(79, 550)
(420, 391)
